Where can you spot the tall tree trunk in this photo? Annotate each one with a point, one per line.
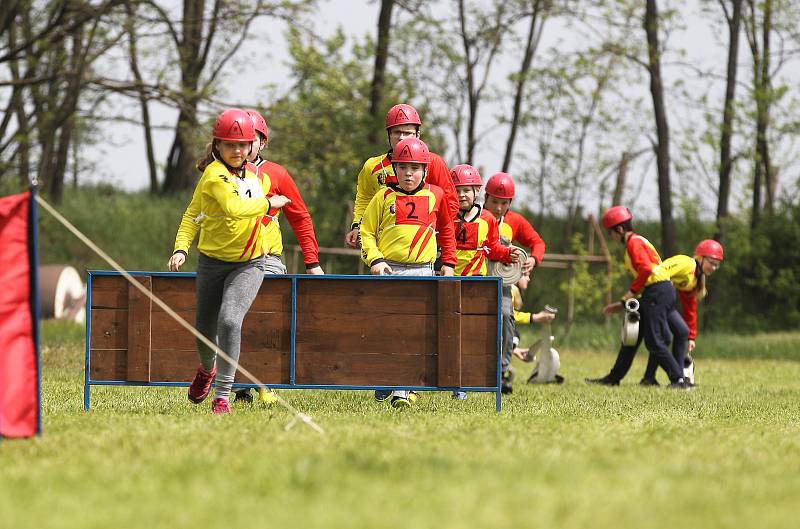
(622, 175)
(137, 75)
(725, 162)
(662, 129)
(379, 74)
(472, 99)
(765, 97)
(530, 49)
(180, 162)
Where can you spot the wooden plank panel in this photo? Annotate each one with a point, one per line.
(449, 333)
(271, 367)
(110, 292)
(333, 367)
(375, 298)
(479, 335)
(108, 364)
(275, 295)
(109, 329)
(479, 371)
(478, 297)
(348, 333)
(139, 311)
(261, 331)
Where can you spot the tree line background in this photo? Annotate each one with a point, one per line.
(582, 112)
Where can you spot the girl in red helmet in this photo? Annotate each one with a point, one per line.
(513, 227)
(402, 121)
(688, 275)
(280, 182)
(659, 319)
(404, 223)
(476, 231)
(226, 209)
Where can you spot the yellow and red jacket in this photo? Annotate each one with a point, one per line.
(684, 272)
(515, 227)
(640, 259)
(227, 211)
(377, 173)
(399, 226)
(476, 239)
(282, 183)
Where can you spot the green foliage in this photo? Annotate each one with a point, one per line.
(137, 230)
(319, 130)
(588, 286)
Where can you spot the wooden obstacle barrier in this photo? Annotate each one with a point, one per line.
(305, 332)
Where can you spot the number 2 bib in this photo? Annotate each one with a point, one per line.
(412, 210)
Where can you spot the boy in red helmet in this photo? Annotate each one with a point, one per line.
(226, 209)
(403, 224)
(513, 227)
(688, 275)
(659, 320)
(280, 183)
(402, 121)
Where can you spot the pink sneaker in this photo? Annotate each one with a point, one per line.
(220, 406)
(201, 384)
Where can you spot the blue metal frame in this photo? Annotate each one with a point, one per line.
(88, 382)
(37, 309)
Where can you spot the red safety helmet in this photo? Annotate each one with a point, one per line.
(500, 185)
(411, 150)
(616, 215)
(465, 175)
(709, 248)
(234, 124)
(259, 122)
(402, 114)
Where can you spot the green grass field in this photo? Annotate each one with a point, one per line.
(725, 455)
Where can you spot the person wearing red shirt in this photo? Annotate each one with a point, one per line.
(659, 321)
(402, 121)
(513, 227)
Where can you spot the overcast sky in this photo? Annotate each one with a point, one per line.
(125, 144)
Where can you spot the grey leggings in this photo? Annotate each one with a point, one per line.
(224, 292)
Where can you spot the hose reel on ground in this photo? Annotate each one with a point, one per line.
(549, 361)
(630, 322)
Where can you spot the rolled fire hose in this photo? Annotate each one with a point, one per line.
(546, 370)
(630, 322)
(61, 293)
(511, 272)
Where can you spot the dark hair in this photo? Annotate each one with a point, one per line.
(203, 162)
(626, 226)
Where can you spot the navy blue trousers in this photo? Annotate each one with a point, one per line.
(660, 324)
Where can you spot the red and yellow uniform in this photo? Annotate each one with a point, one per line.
(377, 173)
(227, 210)
(400, 227)
(515, 227)
(641, 258)
(516, 302)
(684, 272)
(477, 239)
(282, 183)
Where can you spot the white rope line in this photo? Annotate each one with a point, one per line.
(298, 415)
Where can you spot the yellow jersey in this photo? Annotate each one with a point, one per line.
(227, 211)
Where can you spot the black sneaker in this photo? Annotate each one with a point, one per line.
(682, 384)
(506, 388)
(602, 381)
(648, 382)
(243, 395)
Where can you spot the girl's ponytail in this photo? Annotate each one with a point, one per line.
(203, 162)
(700, 290)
